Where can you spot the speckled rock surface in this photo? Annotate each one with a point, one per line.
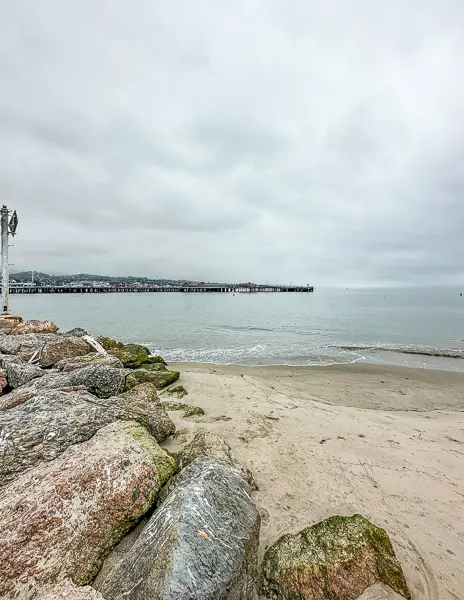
(35, 326)
(67, 590)
(159, 379)
(77, 362)
(101, 380)
(46, 349)
(20, 373)
(64, 347)
(337, 559)
(200, 544)
(46, 425)
(59, 520)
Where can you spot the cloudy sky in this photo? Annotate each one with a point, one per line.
(308, 141)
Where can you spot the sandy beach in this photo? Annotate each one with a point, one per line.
(387, 442)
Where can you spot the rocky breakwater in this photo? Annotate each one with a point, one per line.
(91, 505)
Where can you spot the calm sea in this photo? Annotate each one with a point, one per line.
(326, 327)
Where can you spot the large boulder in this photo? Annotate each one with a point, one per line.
(338, 558)
(159, 379)
(132, 356)
(200, 544)
(145, 399)
(59, 520)
(35, 326)
(20, 373)
(45, 425)
(25, 346)
(98, 379)
(46, 349)
(64, 347)
(9, 322)
(77, 362)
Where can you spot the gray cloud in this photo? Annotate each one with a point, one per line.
(241, 141)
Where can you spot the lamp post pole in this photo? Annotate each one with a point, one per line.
(8, 227)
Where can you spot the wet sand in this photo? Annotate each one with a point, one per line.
(387, 442)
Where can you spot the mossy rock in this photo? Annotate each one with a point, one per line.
(160, 379)
(157, 359)
(131, 355)
(181, 436)
(153, 366)
(336, 559)
(189, 410)
(177, 390)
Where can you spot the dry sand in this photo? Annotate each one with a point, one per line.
(386, 442)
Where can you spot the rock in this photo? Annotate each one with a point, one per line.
(145, 398)
(67, 590)
(132, 356)
(207, 444)
(35, 326)
(189, 410)
(16, 398)
(47, 424)
(159, 379)
(177, 390)
(61, 519)
(338, 558)
(201, 543)
(77, 362)
(98, 379)
(158, 359)
(3, 380)
(9, 322)
(64, 347)
(156, 366)
(25, 346)
(22, 373)
(76, 332)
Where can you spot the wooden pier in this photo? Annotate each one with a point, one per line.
(186, 288)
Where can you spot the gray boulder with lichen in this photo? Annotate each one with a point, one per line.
(336, 559)
(201, 543)
(45, 425)
(159, 379)
(60, 520)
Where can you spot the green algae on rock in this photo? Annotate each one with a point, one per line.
(132, 356)
(155, 366)
(336, 559)
(177, 390)
(189, 410)
(160, 379)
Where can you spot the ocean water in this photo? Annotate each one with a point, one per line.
(411, 327)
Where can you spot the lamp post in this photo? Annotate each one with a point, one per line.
(8, 227)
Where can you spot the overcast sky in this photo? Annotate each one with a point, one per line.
(308, 141)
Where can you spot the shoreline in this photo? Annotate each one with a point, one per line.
(324, 441)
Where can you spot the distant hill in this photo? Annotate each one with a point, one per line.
(47, 279)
